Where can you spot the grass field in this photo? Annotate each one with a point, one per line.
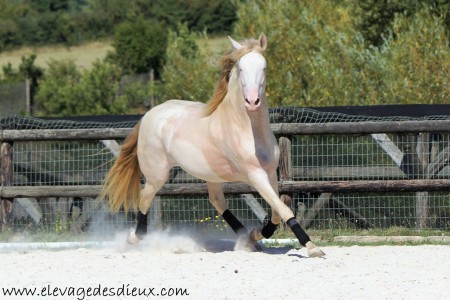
(83, 55)
(86, 54)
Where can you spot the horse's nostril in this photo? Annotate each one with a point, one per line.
(246, 100)
(257, 101)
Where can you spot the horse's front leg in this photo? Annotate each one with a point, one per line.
(271, 226)
(217, 199)
(262, 183)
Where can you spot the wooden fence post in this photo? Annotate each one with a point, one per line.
(6, 180)
(28, 96)
(285, 166)
(422, 198)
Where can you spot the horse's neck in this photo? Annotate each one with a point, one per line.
(262, 131)
(232, 113)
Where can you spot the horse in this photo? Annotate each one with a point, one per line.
(227, 139)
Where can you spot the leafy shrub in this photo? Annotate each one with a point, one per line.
(316, 56)
(55, 95)
(313, 52)
(189, 72)
(65, 91)
(418, 60)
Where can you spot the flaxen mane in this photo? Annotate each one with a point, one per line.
(227, 63)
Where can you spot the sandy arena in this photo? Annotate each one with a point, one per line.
(167, 265)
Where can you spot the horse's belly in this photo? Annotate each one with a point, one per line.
(195, 164)
(194, 158)
(203, 174)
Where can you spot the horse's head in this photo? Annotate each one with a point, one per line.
(251, 67)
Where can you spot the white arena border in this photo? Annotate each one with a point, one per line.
(8, 247)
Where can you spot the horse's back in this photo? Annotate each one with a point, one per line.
(171, 119)
(172, 108)
(170, 113)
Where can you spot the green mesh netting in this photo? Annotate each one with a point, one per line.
(277, 115)
(308, 115)
(23, 122)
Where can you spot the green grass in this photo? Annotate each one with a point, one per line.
(326, 237)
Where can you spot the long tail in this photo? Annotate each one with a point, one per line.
(122, 183)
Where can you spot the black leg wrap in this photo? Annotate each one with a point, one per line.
(234, 223)
(301, 235)
(268, 229)
(141, 228)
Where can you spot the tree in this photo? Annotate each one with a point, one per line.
(214, 16)
(8, 27)
(140, 45)
(50, 5)
(376, 17)
(35, 22)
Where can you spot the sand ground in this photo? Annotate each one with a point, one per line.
(164, 265)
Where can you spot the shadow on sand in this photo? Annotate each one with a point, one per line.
(222, 245)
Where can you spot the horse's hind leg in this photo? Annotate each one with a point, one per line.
(146, 198)
(156, 174)
(217, 199)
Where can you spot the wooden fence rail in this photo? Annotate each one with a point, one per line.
(279, 129)
(287, 186)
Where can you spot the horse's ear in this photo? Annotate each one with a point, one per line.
(263, 41)
(235, 44)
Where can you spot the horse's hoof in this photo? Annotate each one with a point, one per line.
(255, 235)
(257, 247)
(132, 238)
(315, 252)
(246, 243)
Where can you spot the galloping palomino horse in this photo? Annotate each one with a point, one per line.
(228, 139)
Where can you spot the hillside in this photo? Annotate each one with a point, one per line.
(83, 55)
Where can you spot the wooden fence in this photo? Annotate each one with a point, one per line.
(287, 186)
